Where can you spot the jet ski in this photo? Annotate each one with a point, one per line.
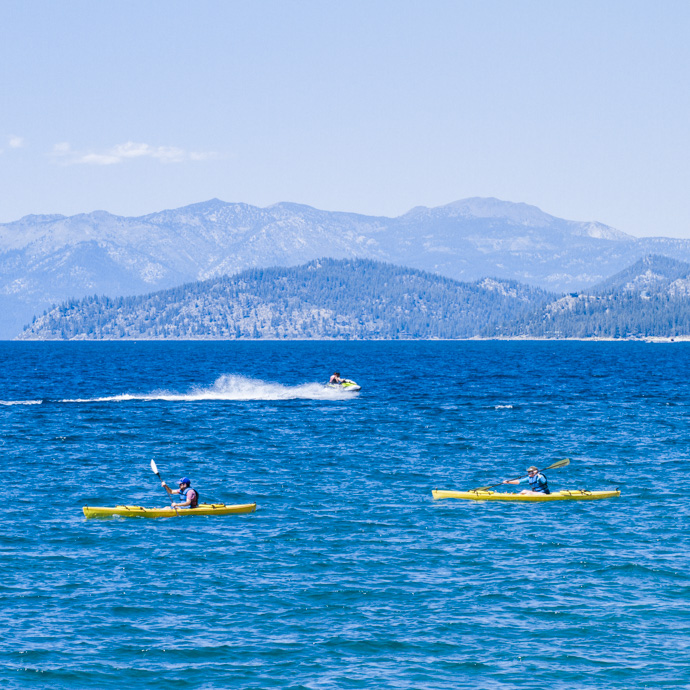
(345, 385)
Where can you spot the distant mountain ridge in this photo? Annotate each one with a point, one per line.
(45, 260)
(364, 299)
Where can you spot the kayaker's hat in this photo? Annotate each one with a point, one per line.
(184, 480)
(533, 469)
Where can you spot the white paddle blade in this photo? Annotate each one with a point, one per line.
(154, 469)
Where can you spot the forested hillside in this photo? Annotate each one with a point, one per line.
(363, 299)
(651, 298)
(322, 299)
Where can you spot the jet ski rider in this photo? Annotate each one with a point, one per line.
(190, 495)
(336, 378)
(537, 482)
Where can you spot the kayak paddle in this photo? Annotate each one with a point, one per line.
(154, 469)
(555, 466)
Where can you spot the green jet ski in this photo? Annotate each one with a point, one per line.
(345, 385)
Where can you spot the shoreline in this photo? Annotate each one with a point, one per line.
(644, 339)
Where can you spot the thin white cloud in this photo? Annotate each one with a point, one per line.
(16, 142)
(202, 155)
(128, 151)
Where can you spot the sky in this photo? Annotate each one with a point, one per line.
(578, 107)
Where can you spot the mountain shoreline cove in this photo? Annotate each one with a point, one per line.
(338, 568)
(47, 260)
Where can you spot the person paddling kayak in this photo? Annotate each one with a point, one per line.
(190, 495)
(537, 482)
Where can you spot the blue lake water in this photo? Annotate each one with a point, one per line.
(348, 575)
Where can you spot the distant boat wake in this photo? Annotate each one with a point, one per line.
(227, 387)
(20, 402)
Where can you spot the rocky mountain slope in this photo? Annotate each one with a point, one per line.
(648, 299)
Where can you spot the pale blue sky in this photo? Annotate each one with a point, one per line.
(581, 108)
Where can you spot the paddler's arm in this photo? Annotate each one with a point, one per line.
(188, 502)
(169, 490)
(522, 480)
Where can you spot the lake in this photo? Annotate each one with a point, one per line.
(348, 575)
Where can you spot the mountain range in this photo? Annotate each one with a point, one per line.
(364, 299)
(47, 259)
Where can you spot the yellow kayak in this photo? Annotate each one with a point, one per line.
(138, 511)
(565, 495)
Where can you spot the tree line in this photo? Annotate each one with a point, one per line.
(364, 299)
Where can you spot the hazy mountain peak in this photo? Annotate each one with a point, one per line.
(291, 206)
(199, 208)
(517, 214)
(488, 207)
(601, 232)
(210, 205)
(96, 216)
(33, 219)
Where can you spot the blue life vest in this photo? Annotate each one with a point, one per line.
(195, 498)
(539, 484)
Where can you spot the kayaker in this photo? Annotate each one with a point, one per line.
(336, 378)
(190, 495)
(537, 482)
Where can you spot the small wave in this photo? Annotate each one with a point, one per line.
(503, 407)
(227, 387)
(21, 402)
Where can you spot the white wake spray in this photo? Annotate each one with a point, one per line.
(20, 402)
(227, 387)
